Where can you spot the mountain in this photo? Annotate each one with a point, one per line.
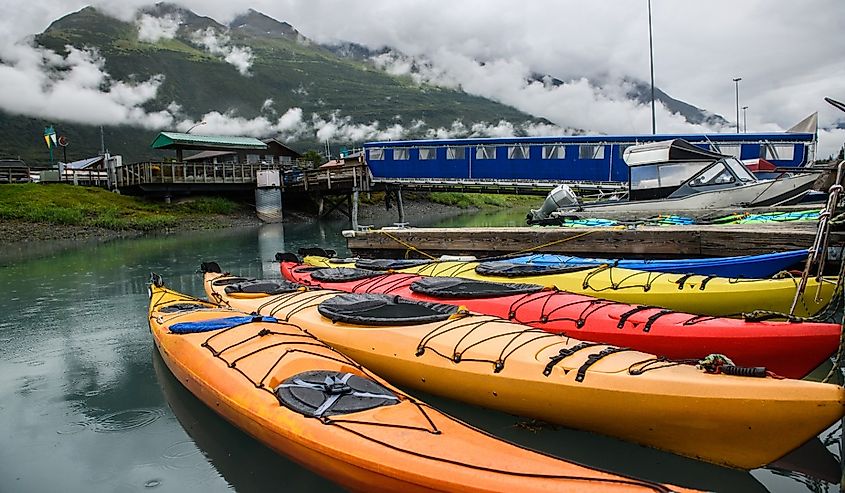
(282, 65)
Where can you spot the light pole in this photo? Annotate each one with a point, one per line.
(745, 119)
(195, 126)
(651, 64)
(736, 83)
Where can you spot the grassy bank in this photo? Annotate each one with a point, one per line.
(483, 200)
(62, 204)
(463, 200)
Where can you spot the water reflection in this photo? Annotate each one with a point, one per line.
(78, 383)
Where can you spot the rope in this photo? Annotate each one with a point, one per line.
(407, 245)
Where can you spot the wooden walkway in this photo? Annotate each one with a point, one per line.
(642, 241)
(149, 178)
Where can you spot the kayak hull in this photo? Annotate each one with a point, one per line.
(736, 421)
(702, 295)
(748, 266)
(789, 349)
(406, 446)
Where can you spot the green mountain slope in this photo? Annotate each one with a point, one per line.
(286, 68)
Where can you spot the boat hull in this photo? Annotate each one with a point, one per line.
(736, 421)
(786, 348)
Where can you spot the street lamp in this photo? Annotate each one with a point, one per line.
(736, 83)
(745, 119)
(195, 126)
(651, 64)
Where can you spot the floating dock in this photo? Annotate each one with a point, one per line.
(618, 241)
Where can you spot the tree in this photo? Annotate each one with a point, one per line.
(314, 158)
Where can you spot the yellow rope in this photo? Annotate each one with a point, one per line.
(407, 245)
(531, 249)
(579, 235)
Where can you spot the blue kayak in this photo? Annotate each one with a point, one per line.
(747, 266)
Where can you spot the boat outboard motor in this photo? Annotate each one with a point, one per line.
(560, 196)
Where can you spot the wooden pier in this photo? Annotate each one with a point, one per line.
(629, 242)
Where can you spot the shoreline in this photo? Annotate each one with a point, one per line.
(18, 235)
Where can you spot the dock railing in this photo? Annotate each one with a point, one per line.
(296, 175)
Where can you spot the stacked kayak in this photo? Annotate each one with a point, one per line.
(747, 266)
(728, 419)
(791, 349)
(690, 293)
(322, 409)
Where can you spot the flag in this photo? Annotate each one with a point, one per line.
(50, 137)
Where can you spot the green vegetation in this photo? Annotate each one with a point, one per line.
(482, 200)
(291, 73)
(85, 206)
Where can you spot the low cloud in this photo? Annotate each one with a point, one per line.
(75, 88)
(240, 57)
(151, 28)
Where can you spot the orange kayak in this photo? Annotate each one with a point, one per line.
(734, 419)
(307, 401)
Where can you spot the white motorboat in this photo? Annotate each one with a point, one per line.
(674, 176)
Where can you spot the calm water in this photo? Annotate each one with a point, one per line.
(87, 405)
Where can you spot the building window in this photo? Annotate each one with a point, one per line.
(730, 150)
(400, 154)
(427, 153)
(455, 153)
(485, 152)
(252, 158)
(590, 151)
(778, 151)
(376, 154)
(555, 151)
(518, 152)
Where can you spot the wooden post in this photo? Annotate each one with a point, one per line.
(354, 208)
(399, 205)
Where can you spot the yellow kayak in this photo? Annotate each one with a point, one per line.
(703, 295)
(737, 421)
(303, 399)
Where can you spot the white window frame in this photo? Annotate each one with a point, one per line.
(554, 151)
(778, 152)
(591, 151)
(518, 151)
(376, 154)
(485, 152)
(401, 154)
(455, 152)
(427, 153)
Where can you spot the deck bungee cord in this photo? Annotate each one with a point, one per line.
(333, 387)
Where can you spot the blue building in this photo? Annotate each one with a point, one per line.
(593, 158)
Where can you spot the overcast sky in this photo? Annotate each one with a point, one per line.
(789, 54)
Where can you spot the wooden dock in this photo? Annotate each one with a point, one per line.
(629, 242)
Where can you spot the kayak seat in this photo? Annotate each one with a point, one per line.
(509, 269)
(343, 274)
(229, 280)
(321, 393)
(259, 286)
(383, 310)
(182, 307)
(389, 264)
(456, 287)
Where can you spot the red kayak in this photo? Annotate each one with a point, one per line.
(787, 348)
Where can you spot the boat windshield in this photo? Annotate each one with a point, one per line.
(658, 181)
(740, 170)
(716, 175)
(663, 175)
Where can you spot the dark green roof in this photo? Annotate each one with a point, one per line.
(172, 140)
